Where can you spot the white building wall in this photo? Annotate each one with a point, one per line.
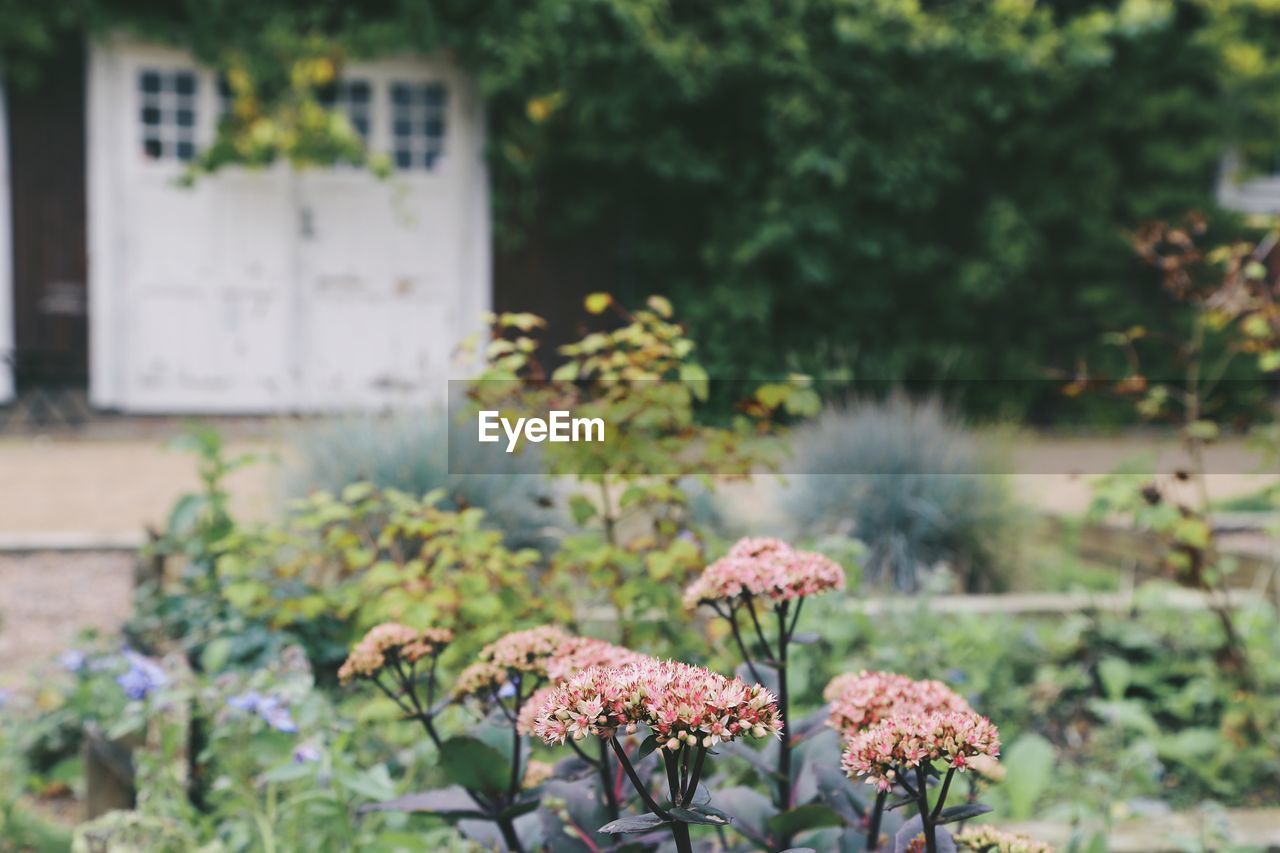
(279, 290)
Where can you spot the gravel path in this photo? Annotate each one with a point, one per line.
(47, 599)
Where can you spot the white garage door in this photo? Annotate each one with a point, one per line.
(280, 290)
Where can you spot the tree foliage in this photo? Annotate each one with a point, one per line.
(867, 188)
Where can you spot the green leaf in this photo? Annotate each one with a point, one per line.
(186, 512)
(473, 764)
(838, 791)
(631, 824)
(566, 372)
(1115, 675)
(647, 746)
(695, 376)
(749, 810)
(1256, 326)
(803, 402)
(583, 510)
(1028, 764)
(452, 802)
(216, 654)
(964, 811)
(699, 816)
(1192, 746)
(596, 303)
(661, 306)
(773, 395)
(374, 783)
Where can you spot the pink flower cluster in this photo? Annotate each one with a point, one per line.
(860, 700)
(765, 568)
(574, 655)
(391, 641)
(953, 737)
(680, 704)
(578, 653)
(542, 653)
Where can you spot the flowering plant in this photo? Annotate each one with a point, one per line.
(862, 699)
(758, 575)
(648, 734)
(687, 710)
(891, 751)
(508, 682)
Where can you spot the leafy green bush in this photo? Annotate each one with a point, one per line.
(910, 482)
(369, 555)
(640, 493)
(409, 451)
(1136, 705)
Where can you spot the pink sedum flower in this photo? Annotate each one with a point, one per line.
(680, 704)
(579, 653)
(525, 651)
(527, 722)
(520, 653)
(388, 642)
(545, 653)
(765, 568)
(953, 737)
(860, 700)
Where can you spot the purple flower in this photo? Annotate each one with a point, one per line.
(273, 710)
(246, 702)
(276, 714)
(143, 677)
(305, 753)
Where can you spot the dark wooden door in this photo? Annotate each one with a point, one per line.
(47, 181)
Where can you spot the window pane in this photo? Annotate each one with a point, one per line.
(168, 114)
(418, 124)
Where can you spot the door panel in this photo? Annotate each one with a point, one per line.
(47, 180)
